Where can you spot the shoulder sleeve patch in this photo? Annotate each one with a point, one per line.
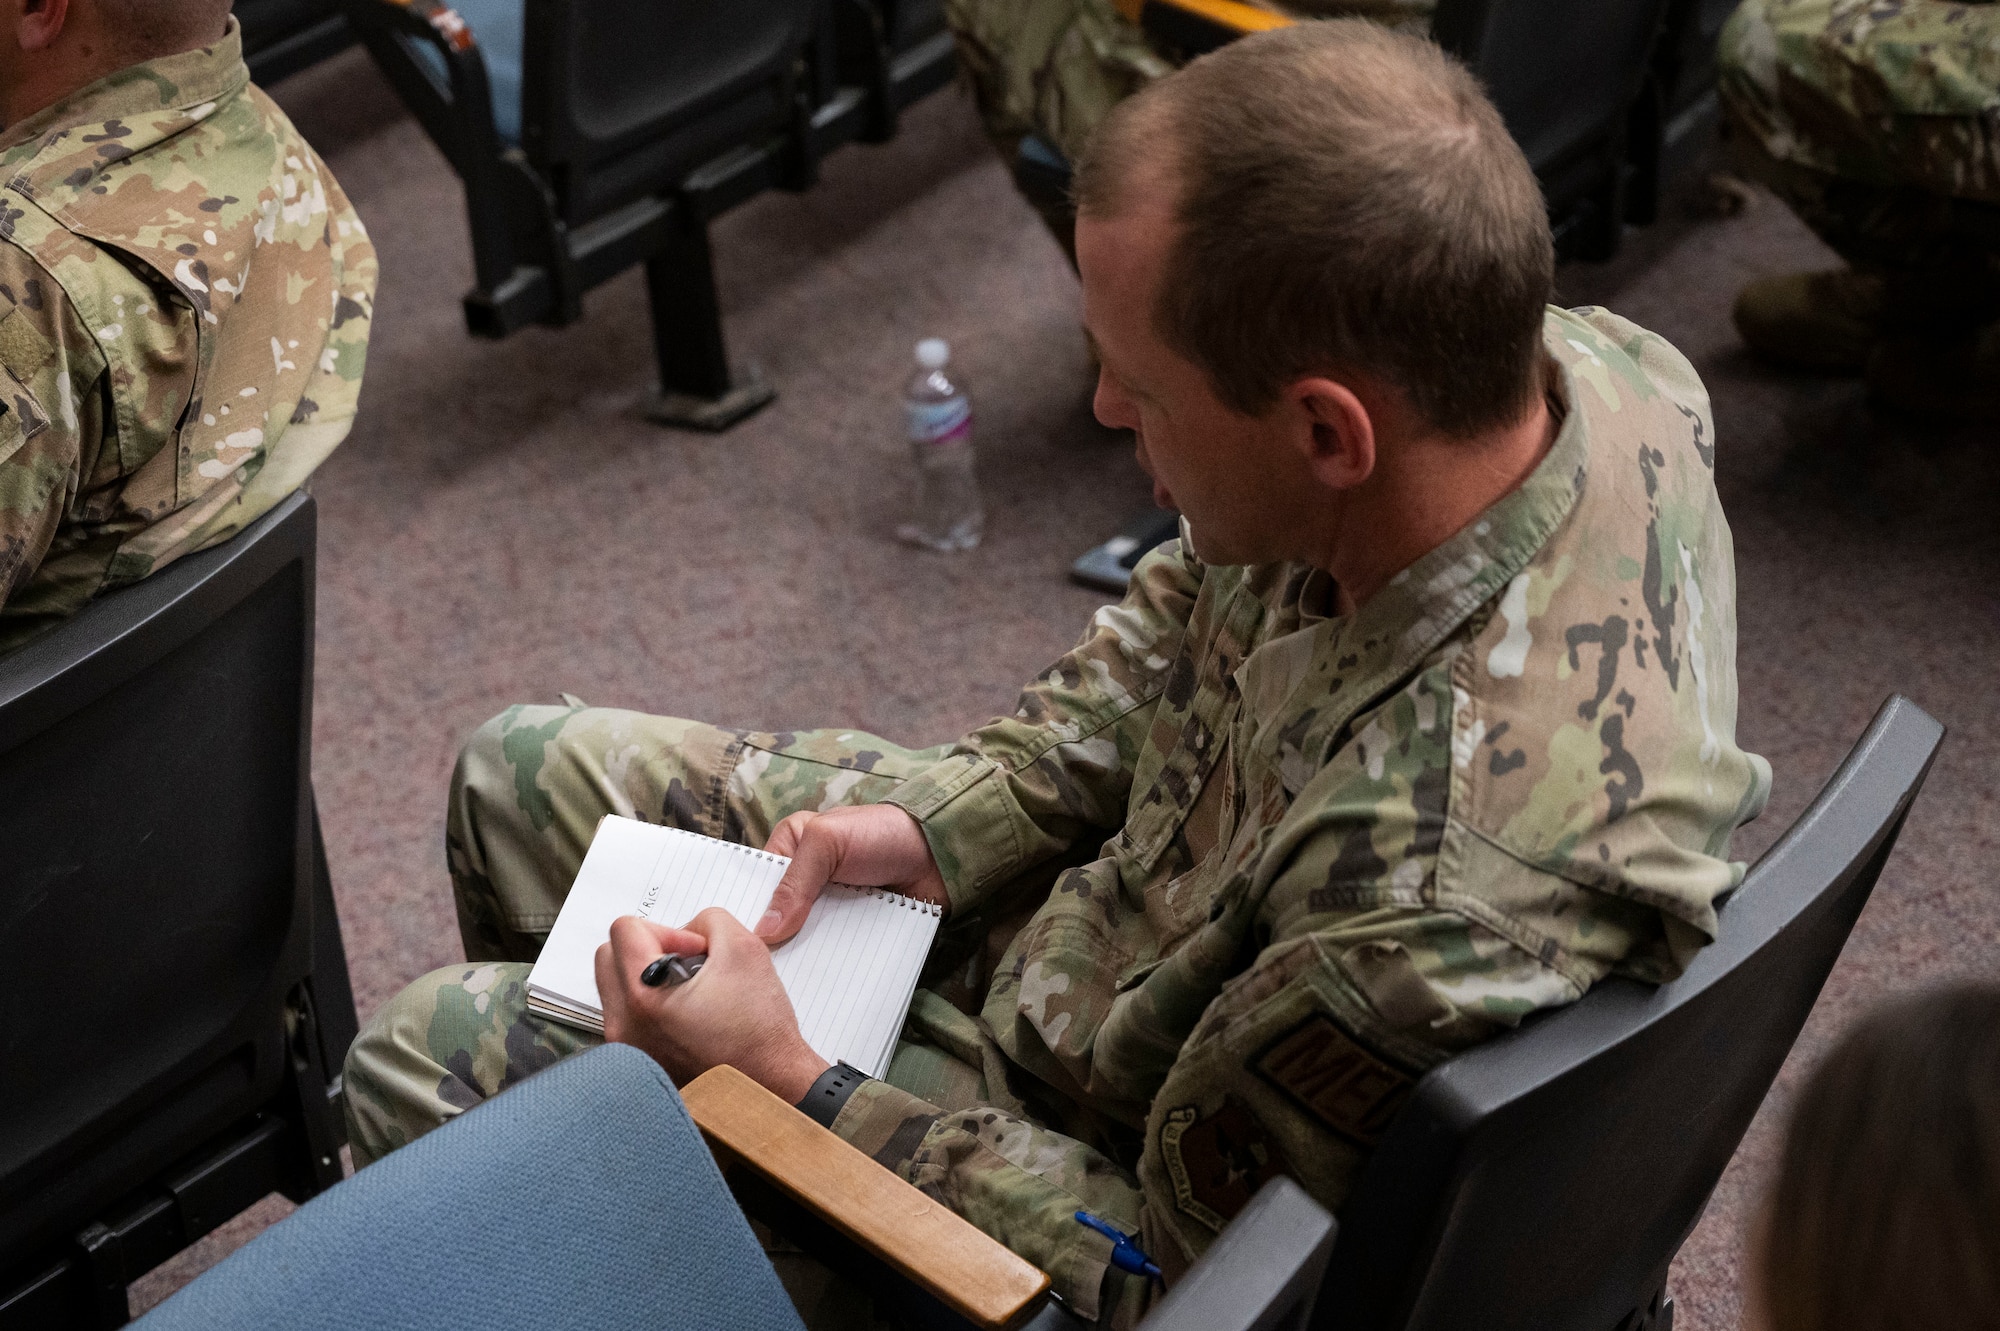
(1348, 1090)
(1217, 1163)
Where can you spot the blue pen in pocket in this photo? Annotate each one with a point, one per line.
(1125, 1253)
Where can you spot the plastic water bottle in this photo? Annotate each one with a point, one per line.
(939, 420)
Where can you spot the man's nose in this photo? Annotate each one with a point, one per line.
(1111, 407)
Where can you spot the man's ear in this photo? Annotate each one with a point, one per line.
(1339, 435)
(41, 23)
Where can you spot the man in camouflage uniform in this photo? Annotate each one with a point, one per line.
(1876, 121)
(1425, 724)
(184, 299)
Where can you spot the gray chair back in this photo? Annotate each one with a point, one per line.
(1545, 1181)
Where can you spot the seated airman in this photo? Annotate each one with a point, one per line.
(1425, 724)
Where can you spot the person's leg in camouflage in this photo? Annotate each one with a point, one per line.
(530, 788)
(1881, 161)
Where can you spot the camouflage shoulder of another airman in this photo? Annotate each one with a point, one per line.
(169, 233)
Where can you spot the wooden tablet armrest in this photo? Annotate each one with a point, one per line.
(1195, 27)
(750, 1129)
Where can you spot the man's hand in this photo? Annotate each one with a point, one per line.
(864, 845)
(734, 1011)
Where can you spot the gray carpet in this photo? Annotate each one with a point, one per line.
(502, 526)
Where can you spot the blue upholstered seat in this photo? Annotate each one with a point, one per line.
(582, 1198)
(497, 25)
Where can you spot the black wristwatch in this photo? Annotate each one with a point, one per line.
(828, 1095)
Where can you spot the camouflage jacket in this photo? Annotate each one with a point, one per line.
(1340, 848)
(185, 298)
(1884, 92)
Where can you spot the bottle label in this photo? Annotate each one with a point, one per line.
(939, 422)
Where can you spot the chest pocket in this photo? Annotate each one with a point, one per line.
(1203, 715)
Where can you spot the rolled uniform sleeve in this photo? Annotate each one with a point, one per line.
(1019, 1182)
(1022, 788)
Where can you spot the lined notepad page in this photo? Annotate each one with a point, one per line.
(850, 971)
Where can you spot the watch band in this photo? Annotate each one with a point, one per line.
(828, 1095)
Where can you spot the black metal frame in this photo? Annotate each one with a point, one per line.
(282, 37)
(543, 235)
(254, 1106)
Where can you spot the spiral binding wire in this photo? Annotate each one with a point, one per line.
(930, 908)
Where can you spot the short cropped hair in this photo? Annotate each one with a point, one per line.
(149, 29)
(1885, 1215)
(1348, 199)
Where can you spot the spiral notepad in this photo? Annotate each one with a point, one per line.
(850, 971)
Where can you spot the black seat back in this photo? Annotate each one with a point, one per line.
(281, 37)
(1564, 74)
(1545, 1181)
(160, 866)
(621, 96)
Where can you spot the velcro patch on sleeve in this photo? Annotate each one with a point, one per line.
(1217, 1163)
(1341, 1085)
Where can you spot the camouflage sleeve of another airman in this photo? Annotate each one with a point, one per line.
(1049, 67)
(1022, 788)
(51, 425)
(335, 393)
(332, 394)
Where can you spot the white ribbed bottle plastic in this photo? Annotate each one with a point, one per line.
(937, 418)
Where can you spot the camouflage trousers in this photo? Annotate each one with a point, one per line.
(1839, 107)
(525, 801)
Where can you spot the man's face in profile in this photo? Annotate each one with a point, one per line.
(1232, 475)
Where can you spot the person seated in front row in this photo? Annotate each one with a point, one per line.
(1425, 724)
(185, 298)
(1885, 1213)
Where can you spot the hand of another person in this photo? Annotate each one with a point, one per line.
(734, 1011)
(864, 845)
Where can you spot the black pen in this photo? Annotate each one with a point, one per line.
(671, 969)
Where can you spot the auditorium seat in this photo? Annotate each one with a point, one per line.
(174, 998)
(593, 135)
(499, 26)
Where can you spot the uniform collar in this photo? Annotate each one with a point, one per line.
(148, 101)
(1307, 686)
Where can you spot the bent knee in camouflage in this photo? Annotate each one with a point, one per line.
(445, 1043)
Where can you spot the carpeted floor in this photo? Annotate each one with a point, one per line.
(503, 526)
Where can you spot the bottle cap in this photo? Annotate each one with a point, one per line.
(933, 352)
